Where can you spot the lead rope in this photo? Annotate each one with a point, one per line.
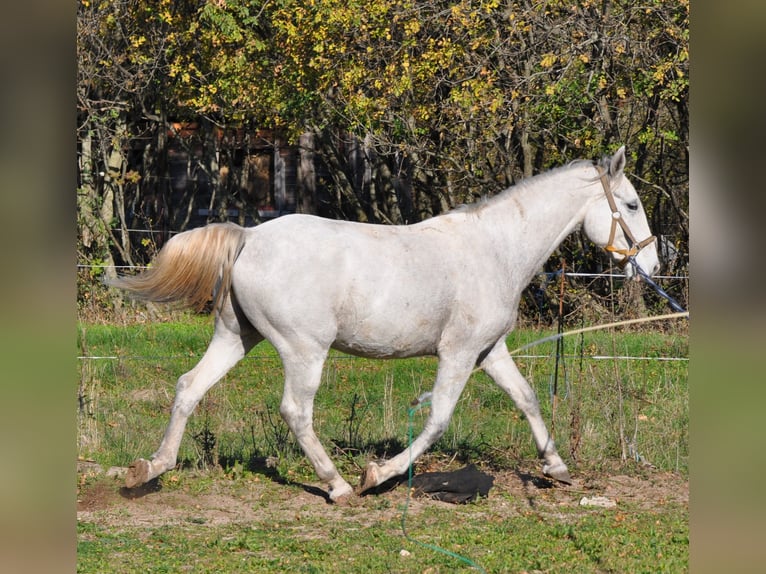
(423, 401)
(417, 404)
(645, 276)
(559, 350)
(557, 336)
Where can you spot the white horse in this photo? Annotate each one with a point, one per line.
(449, 286)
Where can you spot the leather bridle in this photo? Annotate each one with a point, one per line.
(635, 246)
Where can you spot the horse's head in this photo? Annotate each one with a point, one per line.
(617, 221)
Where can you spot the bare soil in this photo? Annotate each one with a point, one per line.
(216, 499)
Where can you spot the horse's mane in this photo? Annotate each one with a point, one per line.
(525, 182)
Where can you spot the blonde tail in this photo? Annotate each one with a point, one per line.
(193, 267)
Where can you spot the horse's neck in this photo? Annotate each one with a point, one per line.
(541, 213)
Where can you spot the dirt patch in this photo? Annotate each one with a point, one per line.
(215, 499)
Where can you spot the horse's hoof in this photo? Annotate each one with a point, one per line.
(138, 473)
(340, 493)
(345, 500)
(558, 472)
(369, 477)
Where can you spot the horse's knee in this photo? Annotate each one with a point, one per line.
(288, 411)
(186, 399)
(528, 404)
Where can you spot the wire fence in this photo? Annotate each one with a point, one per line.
(628, 403)
(546, 277)
(548, 274)
(352, 357)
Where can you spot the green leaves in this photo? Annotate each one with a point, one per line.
(468, 95)
(366, 65)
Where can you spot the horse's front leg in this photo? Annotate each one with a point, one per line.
(224, 351)
(500, 366)
(452, 375)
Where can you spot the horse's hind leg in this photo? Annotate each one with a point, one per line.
(500, 366)
(227, 347)
(452, 375)
(303, 374)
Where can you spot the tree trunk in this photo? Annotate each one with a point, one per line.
(114, 187)
(93, 227)
(331, 155)
(306, 192)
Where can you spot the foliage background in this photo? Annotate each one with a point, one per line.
(444, 101)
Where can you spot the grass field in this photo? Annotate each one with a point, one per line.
(612, 418)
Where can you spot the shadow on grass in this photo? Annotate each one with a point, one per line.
(350, 458)
(533, 482)
(346, 456)
(154, 485)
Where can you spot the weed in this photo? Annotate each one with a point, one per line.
(276, 433)
(354, 423)
(208, 446)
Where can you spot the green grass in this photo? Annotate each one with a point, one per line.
(340, 539)
(604, 409)
(547, 546)
(606, 414)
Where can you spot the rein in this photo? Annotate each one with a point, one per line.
(635, 246)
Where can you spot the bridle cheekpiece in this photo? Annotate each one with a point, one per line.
(617, 218)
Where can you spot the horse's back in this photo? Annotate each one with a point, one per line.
(315, 252)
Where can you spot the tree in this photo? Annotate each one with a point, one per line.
(412, 107)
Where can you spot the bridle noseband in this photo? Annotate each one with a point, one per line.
(635, 246)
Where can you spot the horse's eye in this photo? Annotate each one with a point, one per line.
(632, 206)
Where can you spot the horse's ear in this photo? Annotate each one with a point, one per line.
(617, 164)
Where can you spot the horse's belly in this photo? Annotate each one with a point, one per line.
(387, 340)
